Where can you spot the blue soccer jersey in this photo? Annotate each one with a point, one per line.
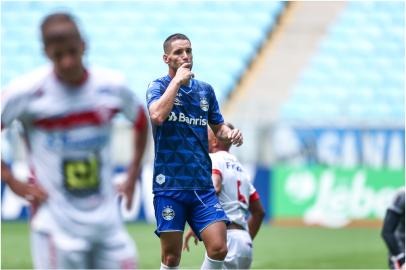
(182, 161)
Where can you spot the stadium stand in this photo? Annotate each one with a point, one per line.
(357, 74)
(312, 84)
(128, 36)
(255, 103)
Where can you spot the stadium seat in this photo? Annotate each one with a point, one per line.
(358, 68)
(128, 35)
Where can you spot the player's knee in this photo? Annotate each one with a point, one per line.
(171, 260)
(218, 252)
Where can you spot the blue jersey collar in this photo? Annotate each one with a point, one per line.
(186, 89)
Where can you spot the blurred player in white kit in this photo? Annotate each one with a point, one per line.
(67, 110)
(239, 198)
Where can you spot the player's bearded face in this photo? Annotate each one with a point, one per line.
(180, 53)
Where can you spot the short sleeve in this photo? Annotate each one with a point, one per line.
(253, 194)
(215, 116)
(131, 104)
(17, 95)
(216, 165)
(13, 105)
(154, 92)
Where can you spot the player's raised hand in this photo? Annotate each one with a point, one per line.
(189, 234)
(235, 137)
(184, 74)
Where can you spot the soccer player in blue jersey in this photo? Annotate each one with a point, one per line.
(180, 108)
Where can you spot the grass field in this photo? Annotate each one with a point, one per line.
(274, 247)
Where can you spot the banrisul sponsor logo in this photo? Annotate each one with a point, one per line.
(334, 199)
(182, 118)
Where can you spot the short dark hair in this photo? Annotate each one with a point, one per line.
(55, 18)
(171, 38)
(229, 125)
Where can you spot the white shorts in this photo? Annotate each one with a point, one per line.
(113, 250)
(239, 244)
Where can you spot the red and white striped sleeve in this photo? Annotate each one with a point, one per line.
(254, 196)
(216, 167)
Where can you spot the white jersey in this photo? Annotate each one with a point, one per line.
(236, 191)
(68, 134)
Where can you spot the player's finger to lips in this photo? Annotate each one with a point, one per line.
(185, 65)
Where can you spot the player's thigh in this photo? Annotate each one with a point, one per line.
(239, 254)
(50, 253)
(170, 214)
(115, 251)
(171, 244)
(214, 236)
(207, 211)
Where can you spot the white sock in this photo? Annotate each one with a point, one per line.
(211, 264)
(164, 267)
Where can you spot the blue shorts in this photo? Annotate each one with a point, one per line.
(199, 208)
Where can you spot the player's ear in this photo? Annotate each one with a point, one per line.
(165, 58)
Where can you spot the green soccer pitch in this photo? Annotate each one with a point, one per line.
(274, 247)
